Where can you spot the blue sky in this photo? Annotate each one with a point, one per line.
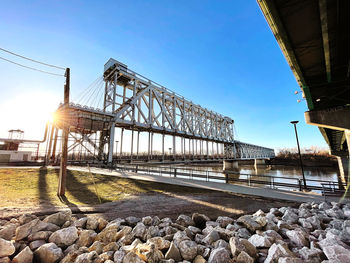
(220, 54)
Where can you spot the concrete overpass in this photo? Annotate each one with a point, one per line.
(314, 37)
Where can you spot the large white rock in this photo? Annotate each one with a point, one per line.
(185, 221)
(86, 257)
(111, 233)
(188, 249)
(64, 237)
(119, 256)
(41, 235)
(92, 223)
(25, 256)
(159, 242)
(290, 217)
(140, 231)
(86, 238)
(132, 220)
(290, 260)
(277, 251)
(8, 232)
(179, 237)
(243, 257)
(131, 257)
(298, 237)
(337, 252)
(48, 253)
(310, 253)
(249, 222)
(6, 248)
(26, 218)
(173, 253)
(238, 245)
(211, 237)
(219, 255)
(59, 218)
(261, 241)
(224, 221)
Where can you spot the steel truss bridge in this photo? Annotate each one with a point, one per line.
(138, 105)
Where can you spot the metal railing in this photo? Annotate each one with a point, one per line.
(273, 182)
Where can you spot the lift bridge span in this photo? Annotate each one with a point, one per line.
(137, 105)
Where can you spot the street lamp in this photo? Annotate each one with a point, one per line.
(301, 162)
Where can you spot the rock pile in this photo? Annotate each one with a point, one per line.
(311, 233)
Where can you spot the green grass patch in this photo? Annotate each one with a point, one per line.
(38, 187)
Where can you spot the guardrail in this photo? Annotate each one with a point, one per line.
(273, 182)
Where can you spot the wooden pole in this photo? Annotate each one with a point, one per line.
(63, 165)
(50, 139)
(54, 146)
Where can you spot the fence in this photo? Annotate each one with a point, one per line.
(274, 182)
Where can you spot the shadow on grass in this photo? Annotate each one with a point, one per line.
(79, 191)
(44, 197)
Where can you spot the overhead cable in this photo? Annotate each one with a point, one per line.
(42, 71)
(30, 59)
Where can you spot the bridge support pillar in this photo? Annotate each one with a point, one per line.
(231, 165)
(259, 162)
(111, 144)
(343, 163)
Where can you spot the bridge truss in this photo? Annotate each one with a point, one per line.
(134, 103)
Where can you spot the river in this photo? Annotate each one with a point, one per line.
(280, 173)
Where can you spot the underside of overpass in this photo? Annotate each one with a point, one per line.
(314, 37)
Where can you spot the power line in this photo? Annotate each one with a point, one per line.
(33, 60)
(42, 71)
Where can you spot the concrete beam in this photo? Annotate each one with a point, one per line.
(337, 118)
(324, 26)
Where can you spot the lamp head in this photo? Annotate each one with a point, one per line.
(294, 122)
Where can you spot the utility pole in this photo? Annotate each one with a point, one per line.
(63, 165)
(301, 162)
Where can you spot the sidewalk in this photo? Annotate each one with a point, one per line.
(295, 196)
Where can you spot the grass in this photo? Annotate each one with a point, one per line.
(38, 187)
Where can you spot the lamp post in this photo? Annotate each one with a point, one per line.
(301, 162)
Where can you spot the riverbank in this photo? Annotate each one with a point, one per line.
(307, 162)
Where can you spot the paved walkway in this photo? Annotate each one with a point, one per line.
(230, 188)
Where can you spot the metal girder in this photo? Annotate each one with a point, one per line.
(161, 109)
(250, 151)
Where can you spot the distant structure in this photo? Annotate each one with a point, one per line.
(16, 149)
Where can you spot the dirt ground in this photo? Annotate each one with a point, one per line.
(35, 191)
(164, 204)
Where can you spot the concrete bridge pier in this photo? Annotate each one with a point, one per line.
(230, 165)
(343, 163)
(259, 163)
(343, 160)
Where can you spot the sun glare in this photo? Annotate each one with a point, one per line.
(29, 112)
